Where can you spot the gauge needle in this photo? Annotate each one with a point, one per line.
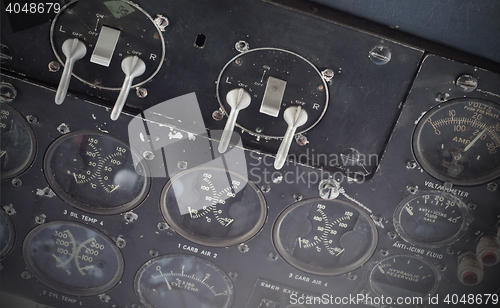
(2, 153)
(114, 188)
(168, 284)
(300, 242)
(474, 141)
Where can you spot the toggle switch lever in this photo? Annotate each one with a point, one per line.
(133, 67)
(238, 99)
(74, 50)
(294, 116)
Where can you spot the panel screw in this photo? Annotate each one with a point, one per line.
(297, 197)
(442, 97)
(26, 275)
(104, 298)
(154, 253)
(258, 130)
(327, 74)
(471, 206)
(7, 92)
(63, 129)
(384, 252)
(217, 115)
(273, 256)
(302, 140)
(412, 189)
(182, 165)
(243, 248)
(467, 83)
(392, 234)
(242, 46)
(40, 219)
(352, 276)
(237, 61)
(17, 182)
(148, 155)
(380, 55)
(411, 164)
(54, 66)
(232, 274)
(442, 267)
(141, 92)
(329, 189)
(450, 250)
(162, 226)
(161, 22)
(120, 242)
(265, 188)
(32, 119)
(492, 186)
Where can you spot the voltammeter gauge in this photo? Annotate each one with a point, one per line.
(213, 206)
(459, 141)
(183, 281)
(325, 237)
(94, 172)
(431, 219)
(17, 146)
(73, 258)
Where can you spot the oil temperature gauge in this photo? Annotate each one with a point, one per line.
(325, 237)
(94, 172)
(431, 219)
(459, 141)
(17, 146)
(183, 281)
(73, 258)
(213, 207)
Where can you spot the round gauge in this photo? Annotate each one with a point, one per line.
(403, 276)
(183, 281)
(459, 141)
(17, 146)
(213, 206)
(7, 234)
(431, 219)
(128, 30)
(94, 172)
(325, 237)
(276, 79)
(73, 258)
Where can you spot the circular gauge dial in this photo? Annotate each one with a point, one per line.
(251, 71)
(73, 258)
(432, 219)
(95, 172)
(138, 36)
(459, 141)
(403, 276)
(325, 237)
(7, 234)
(17, 145)
(183, 281)
(213, 207)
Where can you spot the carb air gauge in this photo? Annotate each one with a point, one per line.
(459, 141)
(325, 237)
(213, 206)
(73, 258)
(183, 281)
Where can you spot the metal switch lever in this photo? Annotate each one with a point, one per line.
(294, 116)
(238, 99)
(74, 50)
(133, 67)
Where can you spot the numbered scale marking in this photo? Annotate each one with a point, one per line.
(95, 172)
(431, 219)
(459, 141)
(183, 281)
(73, 258)
(325, 237)
(213, 206)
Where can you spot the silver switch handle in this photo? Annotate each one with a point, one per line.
(133, 67)
(238, 99)
(74, 50)
(294, 116)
